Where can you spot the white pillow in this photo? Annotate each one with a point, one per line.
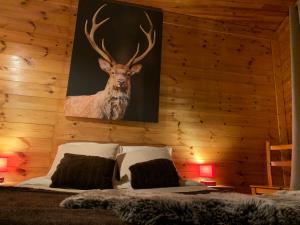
(40, 181)
(83, 148)
(129, 158)
(125, 149)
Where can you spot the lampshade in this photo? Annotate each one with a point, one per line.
(3, 164)
(207, 170)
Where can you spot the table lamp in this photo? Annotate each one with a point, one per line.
(207, 170)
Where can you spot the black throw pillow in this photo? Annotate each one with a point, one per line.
(83, 172)
(154, 174)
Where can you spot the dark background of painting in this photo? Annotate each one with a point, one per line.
(121, 34)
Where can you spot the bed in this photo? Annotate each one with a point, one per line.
(33, 206)
(26, 206)
(131, 200)
(125, 156)
(35, 202)
(188, 187)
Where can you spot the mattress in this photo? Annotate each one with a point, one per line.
(43, 183)
(25, 206)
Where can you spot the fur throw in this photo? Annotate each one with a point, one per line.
(150, 208)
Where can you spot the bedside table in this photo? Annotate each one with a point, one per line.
(223, 188)
(8, 184)
(263, 189)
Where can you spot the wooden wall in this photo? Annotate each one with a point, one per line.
(281, 48)
(217, 98)
(282, 68)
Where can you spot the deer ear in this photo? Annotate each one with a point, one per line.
(104, 65)
(136, 69)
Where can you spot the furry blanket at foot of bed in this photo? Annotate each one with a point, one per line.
(146, 208)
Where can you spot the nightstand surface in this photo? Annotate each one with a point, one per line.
(7, 184)
(223, 188)
(265, 189)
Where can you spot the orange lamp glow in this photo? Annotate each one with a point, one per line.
(207, 170)
(3, 164)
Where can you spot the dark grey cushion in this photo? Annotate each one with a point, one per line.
(154, 174)
(83, 172)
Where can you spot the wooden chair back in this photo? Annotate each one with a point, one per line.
(283, 163)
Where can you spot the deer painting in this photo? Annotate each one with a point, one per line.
(110, 103)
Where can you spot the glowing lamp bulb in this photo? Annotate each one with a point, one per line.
(3, 164)
(207, 170)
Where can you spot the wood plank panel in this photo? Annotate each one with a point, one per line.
(282, 61)
(217, 51)
(11, 101)
(25, 130)
(30, 27)
(254, 14)
(33, 51)
(37, 77)
(32, 89)
(263, 29)
(284, 73)
(25, 144)
(27, 116)
(24, 37)
(30, 63)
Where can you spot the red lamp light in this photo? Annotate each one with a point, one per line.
(208, 170)
(3, 167)
(3, 164)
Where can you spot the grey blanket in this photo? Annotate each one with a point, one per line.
(150, 208)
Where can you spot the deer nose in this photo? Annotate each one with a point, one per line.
(122, 83)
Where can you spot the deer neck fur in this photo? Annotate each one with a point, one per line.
(114, 101)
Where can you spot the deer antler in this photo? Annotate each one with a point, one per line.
(90, 36)
(151, 43)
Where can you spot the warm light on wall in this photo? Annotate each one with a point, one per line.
(3, 167)
(13, 156)
(207, 170)
(3, 164)
(9, 145)
(198, 159)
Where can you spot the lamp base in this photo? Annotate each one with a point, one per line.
(208, 182)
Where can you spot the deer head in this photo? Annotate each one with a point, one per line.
(119, 74)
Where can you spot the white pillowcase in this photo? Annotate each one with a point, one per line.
(36, 181)
(83, 148)
(125, 149)
(135, 154)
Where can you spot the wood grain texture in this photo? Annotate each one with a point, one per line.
(217, 98)
(261, 17)
(282, 61)
(283, 58)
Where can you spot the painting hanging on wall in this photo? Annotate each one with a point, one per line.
(115, 66)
